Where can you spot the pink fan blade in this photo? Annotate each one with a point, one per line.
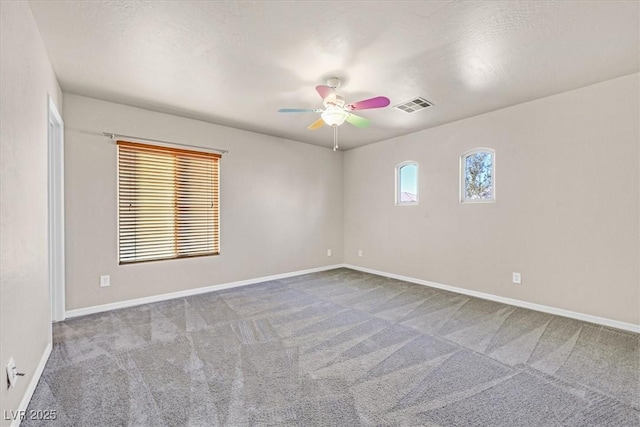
(377, 102)
(324, 91)
(316, 125)
(357, 121)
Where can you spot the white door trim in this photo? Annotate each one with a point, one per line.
(55, 138)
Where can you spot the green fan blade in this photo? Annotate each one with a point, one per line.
(357, 121)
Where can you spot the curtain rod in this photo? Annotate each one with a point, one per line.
(113, 135)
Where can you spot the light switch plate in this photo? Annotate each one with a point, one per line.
(12, 373)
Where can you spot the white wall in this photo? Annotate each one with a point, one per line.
(281, 205)
(26, 78)
(567, 210)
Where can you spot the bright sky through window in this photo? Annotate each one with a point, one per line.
(408, 179)
(407, 183)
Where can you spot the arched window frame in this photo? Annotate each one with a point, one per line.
(399, 166)
(463, 162)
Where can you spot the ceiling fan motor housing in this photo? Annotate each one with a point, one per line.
(334, 100)
(333, 82)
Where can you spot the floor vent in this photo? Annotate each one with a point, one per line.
(413, 105)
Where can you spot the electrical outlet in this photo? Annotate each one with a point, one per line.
(359, 252)
(105, 281)
(328, 252)
(12, 373)
(517, 278)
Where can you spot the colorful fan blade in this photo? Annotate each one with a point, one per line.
(299, 110)
(324, 91)
(377, 102)
(357, 121)
(316, 125)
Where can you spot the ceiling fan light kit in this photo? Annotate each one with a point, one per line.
(336, 112)
(334, 116)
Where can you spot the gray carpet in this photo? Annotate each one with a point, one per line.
(338, 348)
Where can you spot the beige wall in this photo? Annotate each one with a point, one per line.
(566, 215)
(281, 205)
(26, 79)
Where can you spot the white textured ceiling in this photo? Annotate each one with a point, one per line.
(236, 63)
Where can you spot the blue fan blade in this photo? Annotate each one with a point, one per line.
(297, 110)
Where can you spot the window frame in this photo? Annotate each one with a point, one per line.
(215, 193)
(398, 183)
(462, 175)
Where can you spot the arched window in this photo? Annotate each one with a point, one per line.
(477, 176)
(407, 183)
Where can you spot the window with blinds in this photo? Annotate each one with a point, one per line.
(168, 203)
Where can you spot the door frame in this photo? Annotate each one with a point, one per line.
(55, 171)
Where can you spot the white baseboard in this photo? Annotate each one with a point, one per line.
(24, 403)
(181, 294)
(518, 303)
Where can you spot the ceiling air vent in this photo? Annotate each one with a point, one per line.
(413, 105)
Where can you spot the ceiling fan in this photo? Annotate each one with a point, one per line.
(336, 112)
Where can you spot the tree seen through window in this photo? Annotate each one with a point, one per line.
(478, 176)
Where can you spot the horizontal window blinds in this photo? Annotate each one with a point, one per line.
(168, 203)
